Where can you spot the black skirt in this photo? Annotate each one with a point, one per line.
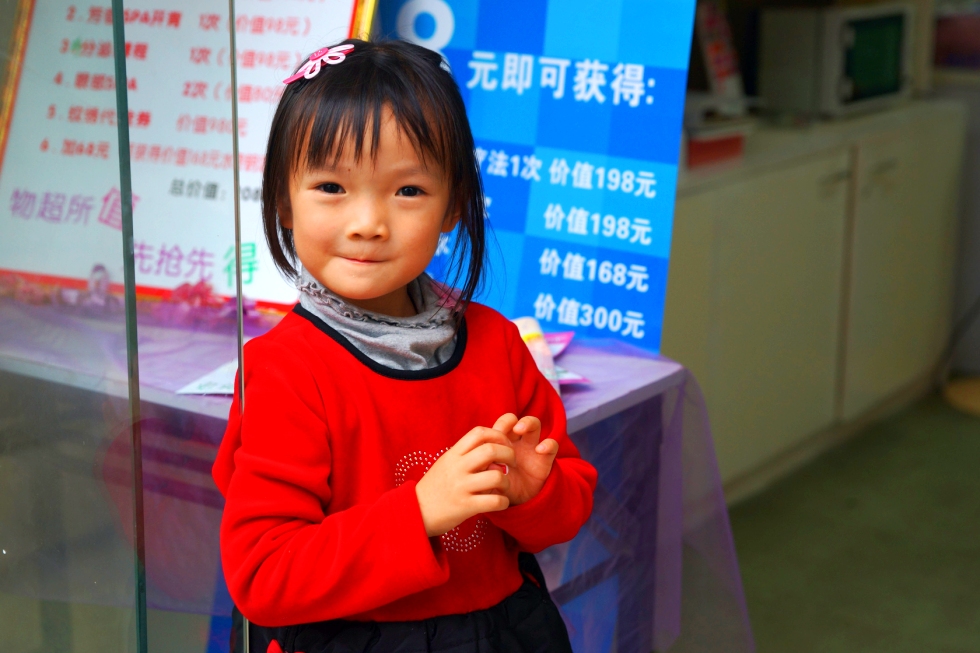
(527, 621)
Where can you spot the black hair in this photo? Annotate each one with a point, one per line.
(317, 118)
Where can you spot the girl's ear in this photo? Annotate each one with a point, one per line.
(450, 222)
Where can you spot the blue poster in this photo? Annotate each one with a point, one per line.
(576, 109)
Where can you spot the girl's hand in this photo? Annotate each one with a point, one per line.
(462, 483)
(534, 458)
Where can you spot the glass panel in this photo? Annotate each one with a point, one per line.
(180, 153)
(67, 572)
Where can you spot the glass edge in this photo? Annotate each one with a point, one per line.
(129, 302)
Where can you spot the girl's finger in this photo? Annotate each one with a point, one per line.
(547, 447)
(477, 437)
(480, 503)
(499, 468)
(527, 424)
(486, 482)
(505, 424)
(480, 458)
(529, 428)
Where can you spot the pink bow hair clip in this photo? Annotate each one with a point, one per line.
(332, 56)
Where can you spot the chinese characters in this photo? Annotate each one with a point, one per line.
(580, 174)
(576, 267)
(623, 84)
(571, 312)
(582, 222)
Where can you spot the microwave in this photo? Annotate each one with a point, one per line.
(834, 61)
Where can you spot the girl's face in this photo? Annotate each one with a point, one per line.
(365, 229)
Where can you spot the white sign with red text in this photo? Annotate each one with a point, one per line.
(59, 180)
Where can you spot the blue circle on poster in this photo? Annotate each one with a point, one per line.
(425, 25)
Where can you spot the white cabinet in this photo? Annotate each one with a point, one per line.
(815, 280)
(753, 304)
(903, 253)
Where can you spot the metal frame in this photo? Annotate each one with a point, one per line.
(129, 302)
(362, 23)
(18, 45)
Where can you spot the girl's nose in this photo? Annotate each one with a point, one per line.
(368, 222)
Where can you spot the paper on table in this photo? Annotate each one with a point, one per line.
(558, 342)
(566, 377)
(217, 382)
(545, 347)
(532, 336)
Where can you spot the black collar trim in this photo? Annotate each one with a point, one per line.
(384, 370)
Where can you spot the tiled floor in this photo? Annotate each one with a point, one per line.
(32, 626)
(875, 547)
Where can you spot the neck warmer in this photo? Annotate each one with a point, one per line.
(421, 341)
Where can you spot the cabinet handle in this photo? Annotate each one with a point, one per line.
(878, 176)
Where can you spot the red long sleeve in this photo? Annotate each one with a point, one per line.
(321, 518)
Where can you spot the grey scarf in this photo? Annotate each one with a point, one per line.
(418, 342)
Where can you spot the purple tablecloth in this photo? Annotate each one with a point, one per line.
(657, 555)
(654, 568)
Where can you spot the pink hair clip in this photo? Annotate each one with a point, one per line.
(332, 56)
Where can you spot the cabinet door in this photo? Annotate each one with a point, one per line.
(753, 304)
(903, 256)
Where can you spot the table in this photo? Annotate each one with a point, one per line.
(658, 538)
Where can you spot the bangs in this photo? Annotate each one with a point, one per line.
(328, 126)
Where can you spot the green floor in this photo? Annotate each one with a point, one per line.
(873, 547)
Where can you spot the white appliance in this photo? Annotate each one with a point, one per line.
(835, 60)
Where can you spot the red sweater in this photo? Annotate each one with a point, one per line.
(321, 520)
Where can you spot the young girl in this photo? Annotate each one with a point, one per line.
(379, 485)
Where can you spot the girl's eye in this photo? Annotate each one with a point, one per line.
(331, 188)
(410, 191)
